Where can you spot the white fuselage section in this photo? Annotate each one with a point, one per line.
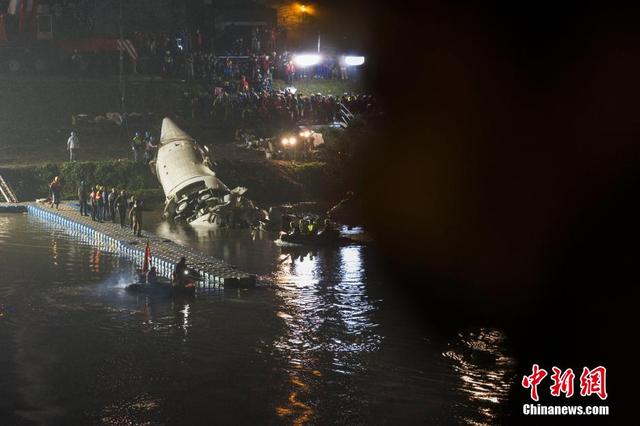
(179, 164)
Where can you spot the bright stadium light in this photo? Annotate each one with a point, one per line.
(307, 59)
(354, 61)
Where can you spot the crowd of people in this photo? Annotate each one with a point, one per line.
(277, 108)
(194, 56)
(103, 205)
(170, 57)
(258, 69)
(116, 206)
(190, 53)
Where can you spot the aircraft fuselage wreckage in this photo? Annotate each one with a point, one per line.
(193, 192)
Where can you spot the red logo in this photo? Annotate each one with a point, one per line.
(562, 382)
(592, 382)
(534, 380)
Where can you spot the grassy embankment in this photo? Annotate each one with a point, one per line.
(35, 115)
(268, 182)
(35, 118)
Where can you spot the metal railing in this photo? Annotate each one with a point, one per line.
(6, 192)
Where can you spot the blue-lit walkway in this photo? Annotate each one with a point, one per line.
(111, 237)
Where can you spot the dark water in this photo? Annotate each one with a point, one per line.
(328, 342)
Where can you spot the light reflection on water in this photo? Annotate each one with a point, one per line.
(328, 318)
(134, 412)
(322, 345)
(485, 371)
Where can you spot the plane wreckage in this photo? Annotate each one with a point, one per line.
(193, 192)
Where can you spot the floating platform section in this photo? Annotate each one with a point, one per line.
(13, 207)
(165, 253)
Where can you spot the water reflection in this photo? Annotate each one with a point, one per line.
(328, 324)
(185, 319)
(95, 260)
(137, 411)
(54, 251)
(253, 251)
(485, 372)
(329, 343)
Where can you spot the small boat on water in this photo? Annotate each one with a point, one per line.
(164, 287)
(315, 240)
(185, 285)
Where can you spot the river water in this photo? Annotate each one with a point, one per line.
(324, 340)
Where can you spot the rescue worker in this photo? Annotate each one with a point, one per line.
(122, 207)
(149, 147)
(328, 232)
(94, 204)
(56, 192)
(73, 145)
(152, 276)
(304, 226)
(180, 272)
(112, 204)
(137, 145)
(105, 200)
(82, 198)
(135, 216)
(294, 229)
(99, 203)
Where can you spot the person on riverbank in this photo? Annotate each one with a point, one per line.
(112, 204)
(99, 203)
(82, 198)
(73, 146)
(135, 216)
(137, 145)
(93, 204)
(105, 199)
(55, 188)
(122, 208)
(150, 147)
